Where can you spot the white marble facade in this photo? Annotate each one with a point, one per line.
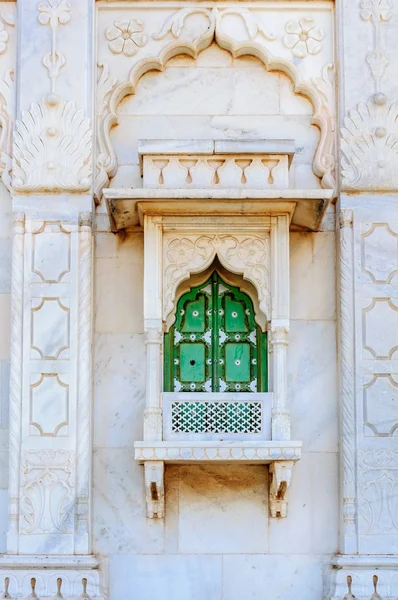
(127, 125)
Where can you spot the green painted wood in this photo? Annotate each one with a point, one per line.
(215, 343)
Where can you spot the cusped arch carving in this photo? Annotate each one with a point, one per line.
(319, 91)
(185, 255)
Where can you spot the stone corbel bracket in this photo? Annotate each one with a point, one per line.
(154, 489)
(280, 474)
(319, 91)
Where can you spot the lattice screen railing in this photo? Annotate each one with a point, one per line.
(215, 416)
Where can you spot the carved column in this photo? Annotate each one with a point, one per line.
(348, 413)
(368, 324)
(51, 375)
(153, 418)
(279, 338)
(16, 378)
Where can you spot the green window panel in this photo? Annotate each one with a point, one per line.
(215, 344)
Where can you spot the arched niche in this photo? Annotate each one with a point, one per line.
(234, 279)
(320, 94)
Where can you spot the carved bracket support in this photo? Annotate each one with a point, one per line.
(280, 477)
(154, 489)
(280, 471)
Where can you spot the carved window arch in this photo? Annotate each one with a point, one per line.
(215, 344)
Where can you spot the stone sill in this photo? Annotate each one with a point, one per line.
(43, 561)
(126, 206)
(198, 452)
(365, 561)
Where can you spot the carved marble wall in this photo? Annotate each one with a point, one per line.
(80, 83)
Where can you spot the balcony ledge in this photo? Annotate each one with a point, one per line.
(126, 206)
(280, 456)
(257, 452)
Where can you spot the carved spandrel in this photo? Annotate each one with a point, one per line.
(240, 254)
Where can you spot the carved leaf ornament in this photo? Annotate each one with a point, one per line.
(52, 147)
(370, 145)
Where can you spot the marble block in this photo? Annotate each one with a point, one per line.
(219, 505)
(167, 577)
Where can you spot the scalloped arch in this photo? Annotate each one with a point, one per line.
(315, 91)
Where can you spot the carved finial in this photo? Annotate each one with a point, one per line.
(59, 585)
(349, 595)
(5, 594)
(375, 595)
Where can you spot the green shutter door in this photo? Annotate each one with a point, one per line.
(215, 344)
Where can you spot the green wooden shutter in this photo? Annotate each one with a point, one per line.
(215, 344)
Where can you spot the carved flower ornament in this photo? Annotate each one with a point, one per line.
(303, 38)
(252, 252)
(126, 37)
(378, 10)
(181, 252)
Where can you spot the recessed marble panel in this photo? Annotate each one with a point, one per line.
(205, 91)
(49, 404)
(119, 286)
(380, 405)
(3, 520)
(120, 525)
(379, 328)
(284, 576)
(166, 577)
(312, 523)
(5, 212)
(379, 245)
(312, 276)
(313, 384)
(4, 392)
(51, 253)
(4, 453)
(5, 326)
(50, 328)
(5, 264)
(119, 389)
(219, 505)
